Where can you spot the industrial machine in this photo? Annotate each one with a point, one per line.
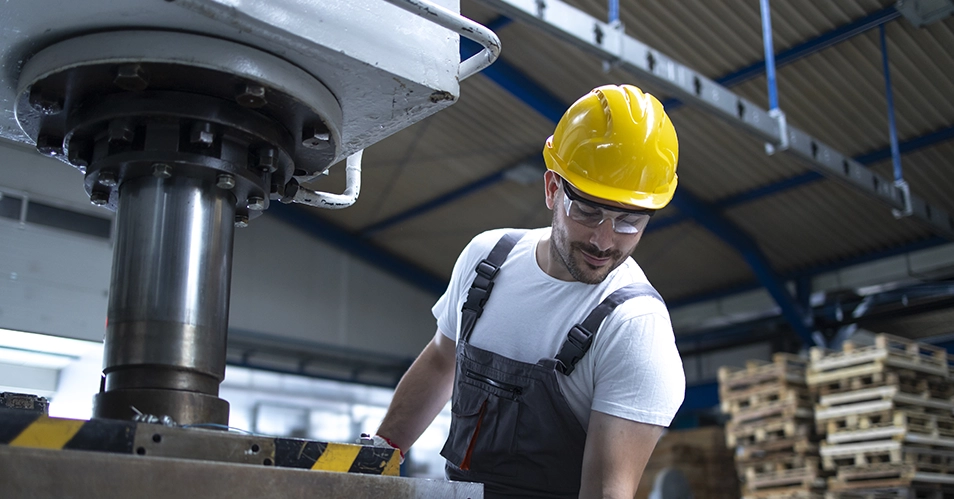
(188, 118)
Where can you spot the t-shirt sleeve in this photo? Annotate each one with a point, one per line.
(638, 374)
(447, 308)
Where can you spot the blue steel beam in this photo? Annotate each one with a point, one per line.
(910, 145)
(816, 44)
(528, 91)
(706, 216)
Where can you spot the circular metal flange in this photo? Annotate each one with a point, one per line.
(128, 135)
(61, 85)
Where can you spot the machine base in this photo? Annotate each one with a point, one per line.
(43, 473)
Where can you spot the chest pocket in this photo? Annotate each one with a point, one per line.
(486, 408)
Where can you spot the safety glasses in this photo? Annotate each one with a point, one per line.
(591, 214)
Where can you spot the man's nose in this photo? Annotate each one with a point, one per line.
(602, 236)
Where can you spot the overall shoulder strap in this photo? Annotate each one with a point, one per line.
(580, 337)
(483, 284)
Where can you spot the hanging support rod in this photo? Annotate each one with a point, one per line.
(580, 29)
(774, 110)
(899, 181)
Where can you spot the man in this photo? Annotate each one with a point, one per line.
(560, 356)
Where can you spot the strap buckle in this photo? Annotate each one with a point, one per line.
(577, 343)
(481, 288)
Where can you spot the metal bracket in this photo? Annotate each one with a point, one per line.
(905, 191)
(782, 121)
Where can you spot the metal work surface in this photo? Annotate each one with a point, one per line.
(48, 474)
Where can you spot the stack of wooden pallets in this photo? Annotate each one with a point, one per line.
(772, 428)
(701, 456)
(886, 414)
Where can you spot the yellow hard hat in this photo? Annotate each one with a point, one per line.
(617, 143)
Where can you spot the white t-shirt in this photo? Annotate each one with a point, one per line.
(632, 369)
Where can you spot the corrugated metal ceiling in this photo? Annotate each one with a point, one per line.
(836, 95)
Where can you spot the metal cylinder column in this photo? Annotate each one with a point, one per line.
(169, 300)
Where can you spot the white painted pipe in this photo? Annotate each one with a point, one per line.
(331, 201)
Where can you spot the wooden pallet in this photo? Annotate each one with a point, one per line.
(883, 476)
(915, 427)
(877, 400)
(800, 445)
(887, 352)
(765, 395)
(913, 491)
(924, 458)
(763, 432)
(909, 381)
(783, 471)
(785, 368)
(798, 492)
(793, 408)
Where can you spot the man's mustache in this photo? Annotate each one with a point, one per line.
(593, 250)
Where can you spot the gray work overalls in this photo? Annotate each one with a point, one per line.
(512, 428)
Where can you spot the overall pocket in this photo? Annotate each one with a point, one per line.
(485, 411)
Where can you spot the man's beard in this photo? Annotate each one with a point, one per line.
(578, 267)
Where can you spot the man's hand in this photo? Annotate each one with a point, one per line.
(615, 455)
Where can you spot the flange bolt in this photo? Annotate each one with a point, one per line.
(225, 181)
(161, 170)
(251, 96)
(107, 178)
(315, 137)
(256, 203)
(241, 221)
(99, 198)
(131, 77)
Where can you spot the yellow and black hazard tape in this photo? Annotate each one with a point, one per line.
(293, 453)
(19, 428)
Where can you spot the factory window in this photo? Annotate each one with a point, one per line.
(9, 206)
(51, 216)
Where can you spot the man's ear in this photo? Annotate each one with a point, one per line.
(551, 186)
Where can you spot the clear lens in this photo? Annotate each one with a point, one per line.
(591, 216)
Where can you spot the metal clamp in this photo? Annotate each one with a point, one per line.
(462, 26)
(783, 141)
(905, 190)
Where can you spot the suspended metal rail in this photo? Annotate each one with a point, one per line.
(603, 40)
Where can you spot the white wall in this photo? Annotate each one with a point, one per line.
(285, 282)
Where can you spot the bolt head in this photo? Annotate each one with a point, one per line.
(99, 198)
(241, 221)
(161, 170)
(131, 77)
(49, 145)
(202, 134)
(267, 160)
(44, 102)
(315, 137)
(107, 179)
(225, 181)
(80, 153)
(256, 203)
(252, 96)
(121, 131)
